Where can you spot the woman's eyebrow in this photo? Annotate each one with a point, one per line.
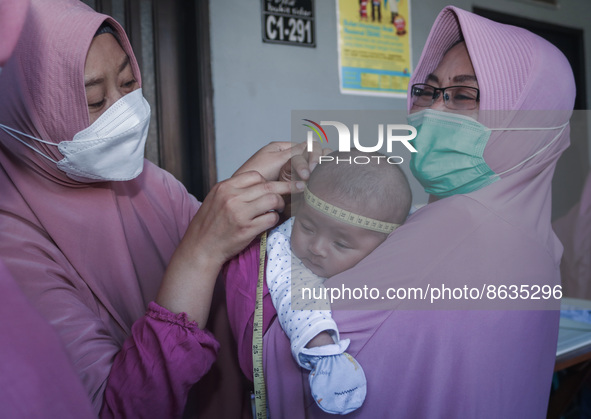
(98, 80)
(93, 81)
(462, 78)
(124, 64)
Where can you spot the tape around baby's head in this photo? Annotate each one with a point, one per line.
(347, 216)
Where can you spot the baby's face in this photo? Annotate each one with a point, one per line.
(328, 246)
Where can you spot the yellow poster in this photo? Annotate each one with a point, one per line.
(374, 46)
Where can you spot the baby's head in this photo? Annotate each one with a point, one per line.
(378, 190)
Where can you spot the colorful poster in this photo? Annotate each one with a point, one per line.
(374, 46)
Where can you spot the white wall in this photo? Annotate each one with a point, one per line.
(257, 85)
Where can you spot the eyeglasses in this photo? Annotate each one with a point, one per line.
(458, 98)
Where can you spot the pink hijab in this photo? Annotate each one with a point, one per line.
(574, 231)
(12, 15)
(28, 370)
(456, 360)
(89, 256)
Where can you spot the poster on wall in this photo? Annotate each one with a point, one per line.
(374, 47)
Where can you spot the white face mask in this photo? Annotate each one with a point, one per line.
(112, 148)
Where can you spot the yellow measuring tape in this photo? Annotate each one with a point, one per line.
(260, 393)
(347, 216)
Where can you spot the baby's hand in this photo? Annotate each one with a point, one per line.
(321, 339)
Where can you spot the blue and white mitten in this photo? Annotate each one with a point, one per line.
(337, 380)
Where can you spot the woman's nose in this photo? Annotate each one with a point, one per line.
(438, 104)
(112, 97)
(118, 94)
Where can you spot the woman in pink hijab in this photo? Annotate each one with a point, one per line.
(486, 153)
(109, 248)
(36, 376)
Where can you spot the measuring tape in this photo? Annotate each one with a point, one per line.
(260, 393)
(347, 216)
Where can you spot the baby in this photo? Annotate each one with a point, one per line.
(348, 210)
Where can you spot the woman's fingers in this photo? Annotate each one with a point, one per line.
(314, 155)
(235, 211)
(269, 159)
(284, 161)
(243, 179)
(301, 164)
(297, 168)
(262, 204)
(253, 184)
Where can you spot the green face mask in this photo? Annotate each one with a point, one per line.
(449, 158)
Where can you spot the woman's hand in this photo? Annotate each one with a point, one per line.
(278, 160)
(231, 216)
(301, 164)
(235, 212)
(298, 169)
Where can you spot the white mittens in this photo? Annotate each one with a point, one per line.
(337, 380)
